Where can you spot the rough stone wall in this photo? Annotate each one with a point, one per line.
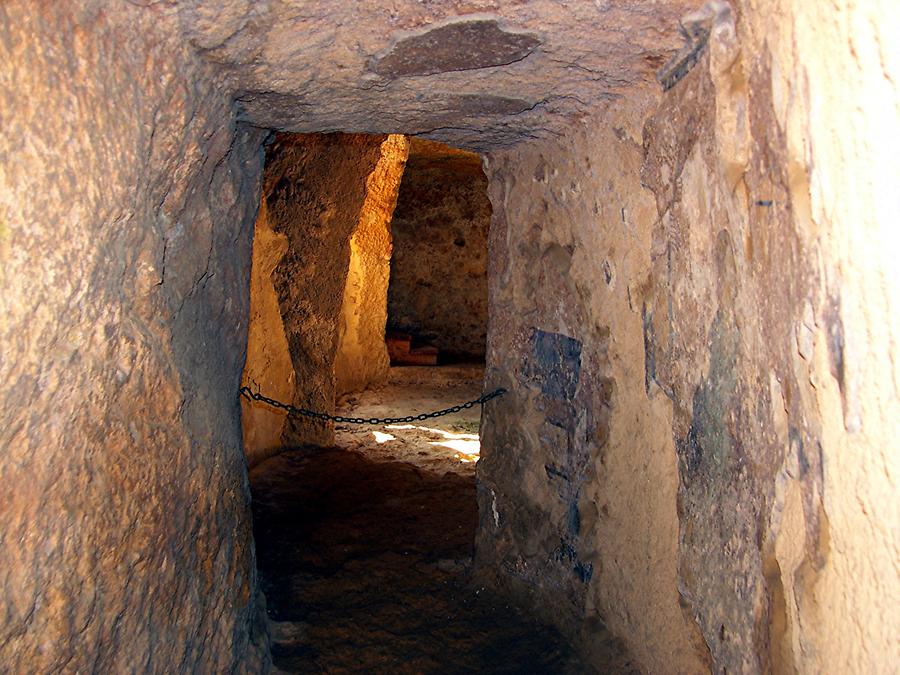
(688, 453)
(315, 188)
(127, 195)
(362, 359)
(268, 367)
(438, 289)
(830, 76)
(744, 404)
(578, 476)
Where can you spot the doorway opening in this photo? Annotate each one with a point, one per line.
(365, 533)
(437, 307)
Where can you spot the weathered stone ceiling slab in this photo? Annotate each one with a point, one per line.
(460, 45)
(474, 73)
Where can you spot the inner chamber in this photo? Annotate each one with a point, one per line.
(343, 286)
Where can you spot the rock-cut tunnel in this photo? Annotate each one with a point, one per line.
(665, 230)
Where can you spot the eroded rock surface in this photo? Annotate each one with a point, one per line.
(268, 369)
(480, 74)
(666, 460)
(127, 194)
(694, 305)
(578, 480)
(315, 190)
(459, 45)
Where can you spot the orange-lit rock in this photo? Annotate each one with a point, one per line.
(480, 74)
(676, 310)
(693, 301)
(346, 333)
(362, 359)
(269, 368)
(331, 197)
(315, 189)
(127, 198)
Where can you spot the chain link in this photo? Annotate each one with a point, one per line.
(249, 394)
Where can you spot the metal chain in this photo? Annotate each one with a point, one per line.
(249, 394)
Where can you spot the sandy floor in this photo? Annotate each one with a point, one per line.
(448, 443)
(364, 550)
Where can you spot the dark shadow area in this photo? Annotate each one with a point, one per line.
(365, 566)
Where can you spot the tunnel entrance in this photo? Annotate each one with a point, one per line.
(344, 287)
(365, 533)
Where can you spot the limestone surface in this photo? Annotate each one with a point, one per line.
(268, 368)
(670, 460)
(479, 74)
(127, 198)
(578, 480)
(315, 189)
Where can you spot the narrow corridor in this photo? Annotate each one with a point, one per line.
(365, 550)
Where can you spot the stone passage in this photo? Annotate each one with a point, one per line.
(692, 300)
(319, 282)
(365, 554)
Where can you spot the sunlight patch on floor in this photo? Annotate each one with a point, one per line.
(466, 451)
(467, 446)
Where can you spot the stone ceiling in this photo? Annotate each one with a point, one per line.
(425, 154)
(479, 74)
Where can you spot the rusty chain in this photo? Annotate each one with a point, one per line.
(249, 394)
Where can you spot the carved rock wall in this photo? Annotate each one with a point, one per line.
(438, 289)
(578, 478)
(829, 100)
(316, 188)
(268, 368)
(127, 198)
(672, 458)
(479, 74)
(694, 302)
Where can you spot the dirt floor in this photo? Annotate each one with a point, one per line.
(442, 444)
(365, 549)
